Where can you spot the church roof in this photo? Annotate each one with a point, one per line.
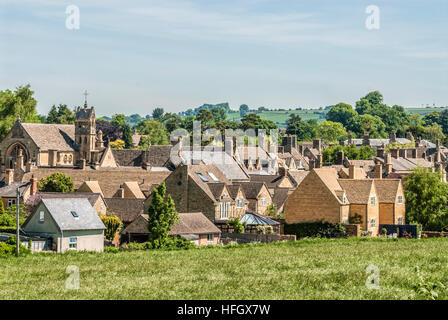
(59, 137)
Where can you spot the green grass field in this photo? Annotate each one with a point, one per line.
(306, 269)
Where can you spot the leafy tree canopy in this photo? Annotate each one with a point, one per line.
(56, 182)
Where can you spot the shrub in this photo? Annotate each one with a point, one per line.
(9, 248)
(316, 229)
(113, 224)
(265, 230)
(384, 231)
(111, 249)
(355, 219)
(238, 227)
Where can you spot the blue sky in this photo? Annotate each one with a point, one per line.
(133, 56)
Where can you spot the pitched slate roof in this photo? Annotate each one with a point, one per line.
(193, 223)
(357, 191)
(127, 209)
(297, 176)
(216, 189)
(329, 177)
(251, 189)
(61, 211)
(197, 170)
(34, 200)
(92, 186)
(59, 137)
(280, 197)
(271, 181)
(188, 223)
(387, 190)
(132, 190)
(233, 190)
(109, 179)
(226, 164)
(10, 190)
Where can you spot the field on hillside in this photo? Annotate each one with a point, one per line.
(280, 117)
(306, 269)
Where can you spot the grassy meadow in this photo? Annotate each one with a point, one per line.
(305, 269)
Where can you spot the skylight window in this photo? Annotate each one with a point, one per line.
(202, 177)
(75, 214)
(213, 176)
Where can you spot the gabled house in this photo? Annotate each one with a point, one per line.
(129, 189)
(364, 202)
(324, 196)
(126, 209)
(319, 197)
(392, 202)
(204, 188)
(258, 196)
(71, 223)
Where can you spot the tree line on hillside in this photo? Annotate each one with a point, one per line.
(373, 116)
(370, 114)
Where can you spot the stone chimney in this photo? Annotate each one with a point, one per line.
(394, 153)
(340, 158)
(289, 142)
(229, 146)
(9, 177)
(380, 152)
(283, 171)
(409, 136)
(33, 185)
(388, 161)
(312, 164)
(366, 139)
(317, 144)
(378, 170)
(350, 137)
(351, 171)
(392, 137)
(319, 161)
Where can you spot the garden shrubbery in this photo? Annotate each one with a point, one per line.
(9, 248)
(316, 230)
(172, 243)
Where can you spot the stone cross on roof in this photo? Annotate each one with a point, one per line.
(85, 100)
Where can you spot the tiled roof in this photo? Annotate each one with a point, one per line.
(280, 197)
(387, 189)
(271, 181)
(251, 189)
(193, 223)
(109, 179)
(233, 190)
(329, 177)
(188, 223)
(34, 200)
(59, 137)
(10, 190)
(216, 189)
(297, 176)
(127, 209)
(357, 191)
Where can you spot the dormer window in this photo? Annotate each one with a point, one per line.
(400, 200)
(372, 201)
(41, 216)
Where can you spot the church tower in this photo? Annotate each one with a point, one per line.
(85, 133)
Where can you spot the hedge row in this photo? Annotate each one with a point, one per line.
(316, 230)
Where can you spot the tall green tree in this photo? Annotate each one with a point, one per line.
(56, 182)
(127, 137)
(426, 199)
(14, 103)
(331, 131)
(60, 114)
(343, 113)
(119, 120)
(157, 114)
(162, 215)
(244, 109)
(155, 131)
(304, 130)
